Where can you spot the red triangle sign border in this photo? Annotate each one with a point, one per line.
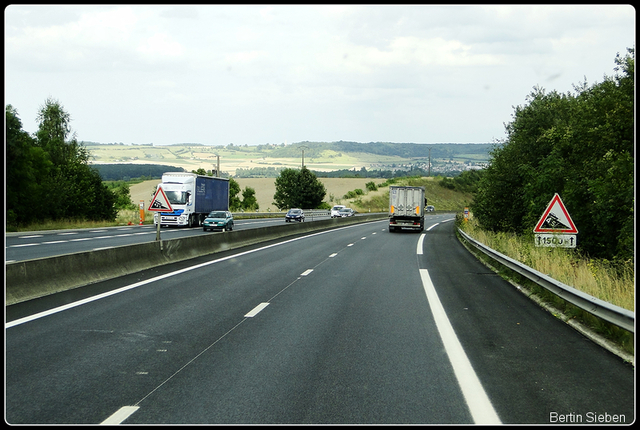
(556, 200)
(166, 200)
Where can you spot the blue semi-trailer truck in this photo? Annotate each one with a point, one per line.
(192, 197)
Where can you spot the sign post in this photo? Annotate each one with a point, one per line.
(160, 203)
(556, 228)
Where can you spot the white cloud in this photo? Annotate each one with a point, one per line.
(311, 67)
(160, 45)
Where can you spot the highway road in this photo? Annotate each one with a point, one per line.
(30, 245)
(351, 325)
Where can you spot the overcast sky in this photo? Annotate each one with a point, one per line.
(271, 74)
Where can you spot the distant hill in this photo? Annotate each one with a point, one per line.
(404, 150)
(331, 158)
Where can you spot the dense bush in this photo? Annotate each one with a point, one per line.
(577, 145)
(48, 174)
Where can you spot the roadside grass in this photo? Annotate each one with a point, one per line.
(443, 199)
(613, 283)
(124, 217)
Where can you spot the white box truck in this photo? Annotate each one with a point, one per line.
(192, 197)
(406, 208)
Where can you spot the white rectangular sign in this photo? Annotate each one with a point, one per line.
(559, 240)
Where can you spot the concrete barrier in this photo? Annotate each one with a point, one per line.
(30, 279)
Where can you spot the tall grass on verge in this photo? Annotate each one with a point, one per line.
(124, 217)
(605, 280)
(613, 283)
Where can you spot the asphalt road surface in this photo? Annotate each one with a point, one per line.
(352, 325)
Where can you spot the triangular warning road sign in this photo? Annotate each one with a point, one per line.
(555, 219)
(160, 202)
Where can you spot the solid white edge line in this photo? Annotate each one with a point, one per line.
(255, 311)
(433, 226)
(479, 404)
(158, 278)
(120, 415)
(419, 247)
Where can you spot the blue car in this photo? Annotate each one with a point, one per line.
(294, 215)
(218, 220)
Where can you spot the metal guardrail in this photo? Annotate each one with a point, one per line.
(310, 213)
(616, 315)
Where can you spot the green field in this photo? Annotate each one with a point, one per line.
(317, 156)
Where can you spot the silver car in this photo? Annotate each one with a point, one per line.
(335, 211)
(346, 212)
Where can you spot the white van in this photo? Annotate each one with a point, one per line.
(335, 211)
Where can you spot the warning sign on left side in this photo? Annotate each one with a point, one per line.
(160, 202)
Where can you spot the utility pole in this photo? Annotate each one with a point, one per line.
(303, 148)
(429, 162)
(217, 166)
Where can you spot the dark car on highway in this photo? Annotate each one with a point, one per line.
(294, 215)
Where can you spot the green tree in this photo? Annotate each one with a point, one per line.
(234, 201)
(26, 166)
(298, 189)
(122, 193)
(48, 175)
(73, 189)
(249, 201)
(577, 145)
